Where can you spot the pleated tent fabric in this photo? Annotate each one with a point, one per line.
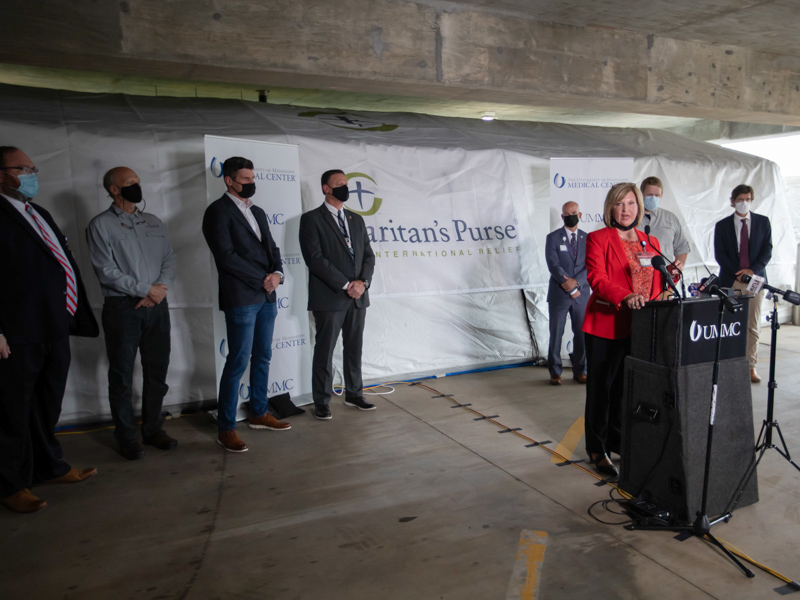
(74, 138)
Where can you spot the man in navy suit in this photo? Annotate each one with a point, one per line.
(43, 303)
(249, 266)
(340, 261)
(568, 292)
(743, 246)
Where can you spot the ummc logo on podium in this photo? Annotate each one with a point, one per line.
(710, 332)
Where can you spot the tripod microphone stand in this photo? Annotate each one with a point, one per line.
(702, 523)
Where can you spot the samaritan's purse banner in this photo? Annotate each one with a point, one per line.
(276, 168)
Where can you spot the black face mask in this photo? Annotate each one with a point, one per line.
(248, 189)
(620, 227)
(341, 193)
(570, 220)
(131, 193)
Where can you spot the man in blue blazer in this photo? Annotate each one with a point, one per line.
(568, 292)
(743, 246)
(43, 303)
(249, 266)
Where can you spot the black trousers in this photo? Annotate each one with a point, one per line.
(605, 361)
(350, 323)
(32, 383)
(129, 330)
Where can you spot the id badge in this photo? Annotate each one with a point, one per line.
(645, 258)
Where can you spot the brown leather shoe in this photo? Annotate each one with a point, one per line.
(581, 378)
(555, 379)
(754, 376)
(75, 475)
(231, 441)
(267, 421)
(24, 502)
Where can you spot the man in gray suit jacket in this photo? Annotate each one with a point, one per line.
(340, 263)
(568, 292)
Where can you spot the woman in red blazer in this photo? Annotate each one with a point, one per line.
(619, 285)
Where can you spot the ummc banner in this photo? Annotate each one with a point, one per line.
(585, 181)
(277, 178)
(439, 221)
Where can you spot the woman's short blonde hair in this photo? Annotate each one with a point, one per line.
(617, 193)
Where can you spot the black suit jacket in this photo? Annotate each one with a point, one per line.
(727, 253)
(242, 260)
(330, 266)
(33, 307)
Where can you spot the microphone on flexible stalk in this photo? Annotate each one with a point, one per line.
(756, 283)
(710, 285)
(647, 233)
(660, 265)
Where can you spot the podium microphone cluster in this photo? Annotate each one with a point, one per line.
(756, 283)
(710, 285)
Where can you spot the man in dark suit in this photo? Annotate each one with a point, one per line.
(568, 292)
(43, 304)
(249, 266)
(743, 246)
(340, 263)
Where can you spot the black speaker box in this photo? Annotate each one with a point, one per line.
(665, 417)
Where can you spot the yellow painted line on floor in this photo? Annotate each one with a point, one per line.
(569, 442)
(527, 571)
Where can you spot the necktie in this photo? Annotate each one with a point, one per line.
(72, 294)
(344, 233)
(573, 244)
(744, 247)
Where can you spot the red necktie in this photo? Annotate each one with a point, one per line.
(72, 295)
(744, 247)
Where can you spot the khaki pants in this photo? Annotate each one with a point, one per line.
(753, 323)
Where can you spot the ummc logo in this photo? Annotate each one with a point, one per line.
(215, 167)
(559, 181)
(279, 387)
(363, 194)
(283, 302)
(710, 332)
(275, 219)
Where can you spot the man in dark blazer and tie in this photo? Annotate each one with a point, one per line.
(249, 266)
(340, 262)
(568, 292)
(743, 246)
(43, 303)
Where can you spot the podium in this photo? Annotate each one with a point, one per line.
(666, 405)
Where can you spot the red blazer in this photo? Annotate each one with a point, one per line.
(610, 278)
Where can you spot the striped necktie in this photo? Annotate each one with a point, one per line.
(72, 294)
(344, 233)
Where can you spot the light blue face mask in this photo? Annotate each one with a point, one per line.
(651, 202)
(28, 185)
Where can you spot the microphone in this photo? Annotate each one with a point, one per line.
(647, 233)
(660, 264)
(710, 285)
(757, 283)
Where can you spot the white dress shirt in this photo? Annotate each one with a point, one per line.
(335, 212)
(244, 206)
(20, 206)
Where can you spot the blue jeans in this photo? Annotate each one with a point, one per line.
(249, 332)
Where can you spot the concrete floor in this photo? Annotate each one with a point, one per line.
(416, 500)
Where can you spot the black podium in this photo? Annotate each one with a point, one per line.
(666, 407)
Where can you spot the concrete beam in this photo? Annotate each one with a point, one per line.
(399, 48)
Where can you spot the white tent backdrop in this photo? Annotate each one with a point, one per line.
(74, 138)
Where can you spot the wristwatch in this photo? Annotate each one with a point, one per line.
(366, 283)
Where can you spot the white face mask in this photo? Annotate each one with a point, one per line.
(743, 207)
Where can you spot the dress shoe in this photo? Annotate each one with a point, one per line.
(133, 451)
(75, 475)
(24, 502)
(162, 441)
(609, 469)
(267, 421)
(359, 403)
(323, 413)
(555, 379)
(754, 376)
(581, 378)
(231, 441)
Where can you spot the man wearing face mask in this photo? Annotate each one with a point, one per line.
(664, 226)
(135, 264)
(43, 304)
(743, 246)
(340, 262)
(249, 266)
(568, 292)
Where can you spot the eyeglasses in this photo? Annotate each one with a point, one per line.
(25, 170)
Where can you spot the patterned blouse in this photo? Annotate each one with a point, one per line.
(642, 276)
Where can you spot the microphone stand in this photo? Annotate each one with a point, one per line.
(650, 243)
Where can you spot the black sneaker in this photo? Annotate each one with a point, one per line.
(323, 413)
(359, 403)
